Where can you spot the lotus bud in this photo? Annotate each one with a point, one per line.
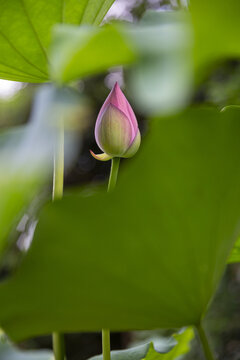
(116, 130)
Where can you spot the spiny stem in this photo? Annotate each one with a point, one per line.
(106, 344)
(58, 182)
(205, 344)
(113, 174)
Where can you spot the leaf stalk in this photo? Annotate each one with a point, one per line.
(205, 343)
(113, 174)
(106, 348)
(58, 183)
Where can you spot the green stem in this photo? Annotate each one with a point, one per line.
(58, 346)
(205, 344)
(113, 174)
(58, 182)
(58, 171)
(106, 349)
(106, 344)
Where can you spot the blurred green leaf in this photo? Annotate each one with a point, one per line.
(182, 347)
(25, 32)
(135, 353)
(235, 254)
(17, 187)
(17, 191)
(162, 79)
(85, 50)
(168, 351)
(9, 352)
(217, 30)
(148, 255)
(26, 153)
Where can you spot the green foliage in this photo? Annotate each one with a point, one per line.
(86, 50)
(18, 188)
(26, 153)
(182, 347)
(161, 79)
(235, 254)
(17, 191)
(148, 255)
(216, 28)
(25, 32)
(160, 46)
(167, 351)
(164, 44)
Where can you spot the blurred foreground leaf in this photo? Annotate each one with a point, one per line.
(168, 351)
(182, 347)
(86, 50)
(26, 153)
(25, 32)
(235, 254)
(162, 79)
(150, 254)
(20, 180)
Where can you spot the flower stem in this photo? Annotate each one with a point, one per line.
(58, 346)
(58, 171)
(205, 344)
(106, 344)
(113, 174)
(106, 349)
(58, 182)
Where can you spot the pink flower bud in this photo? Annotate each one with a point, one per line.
(116, 129)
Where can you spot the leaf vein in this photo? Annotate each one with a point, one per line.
(20, 71)
(84, 9)
(21, 55)
(34, 30)
(63, 10)
(98, 12)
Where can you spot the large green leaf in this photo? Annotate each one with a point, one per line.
(25, 32)
(148, 255)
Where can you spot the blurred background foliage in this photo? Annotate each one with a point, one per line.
(217, 87)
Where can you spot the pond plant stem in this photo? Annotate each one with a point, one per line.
(58, 170)
(106, 348)
(58, 346)
(58, 182)
(205, 344)
(113, 174)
